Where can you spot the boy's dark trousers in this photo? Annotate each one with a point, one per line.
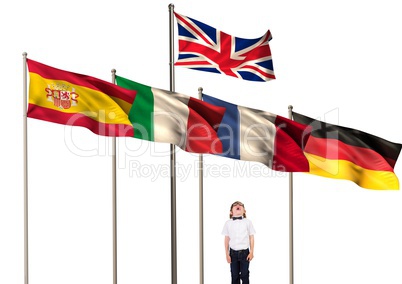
(239, 266)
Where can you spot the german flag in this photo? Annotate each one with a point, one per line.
(344, 153)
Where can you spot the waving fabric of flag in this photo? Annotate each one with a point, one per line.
(128, 109)
(204, 48)
(343, 153)
(74, 99)
(162, 116)
(255, 135)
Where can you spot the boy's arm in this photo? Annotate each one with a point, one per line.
(227, 252)
(251, 254)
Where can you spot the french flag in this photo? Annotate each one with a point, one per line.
(255, 135)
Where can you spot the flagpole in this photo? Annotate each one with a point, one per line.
(172, 156)
(25, 146)
(291, 273)
(201, 206)
(114, 198)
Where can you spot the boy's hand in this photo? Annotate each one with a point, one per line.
(250, 256)
(228, 258)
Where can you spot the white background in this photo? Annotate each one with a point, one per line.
(338, 61)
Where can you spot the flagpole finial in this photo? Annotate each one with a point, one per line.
(171, 6)
(24, 54)
(200, 93)
(290, 111)
(113, 75)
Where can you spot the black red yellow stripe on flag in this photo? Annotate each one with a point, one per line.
(345, 153)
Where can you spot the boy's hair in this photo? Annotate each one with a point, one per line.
(237, 203)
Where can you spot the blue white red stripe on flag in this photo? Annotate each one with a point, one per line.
(255, 135)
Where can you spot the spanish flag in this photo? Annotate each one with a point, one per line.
(344, 153)
(79, 100)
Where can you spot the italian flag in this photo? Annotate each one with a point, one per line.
(163, 116)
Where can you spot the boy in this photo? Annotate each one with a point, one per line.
(239, 243)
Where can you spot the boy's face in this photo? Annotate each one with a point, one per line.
(238, 209)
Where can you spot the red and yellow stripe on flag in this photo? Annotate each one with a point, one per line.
(79, 100)
(344, 153)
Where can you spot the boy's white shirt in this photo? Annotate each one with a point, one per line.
(239, 232)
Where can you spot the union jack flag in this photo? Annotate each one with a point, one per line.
(204, 48)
